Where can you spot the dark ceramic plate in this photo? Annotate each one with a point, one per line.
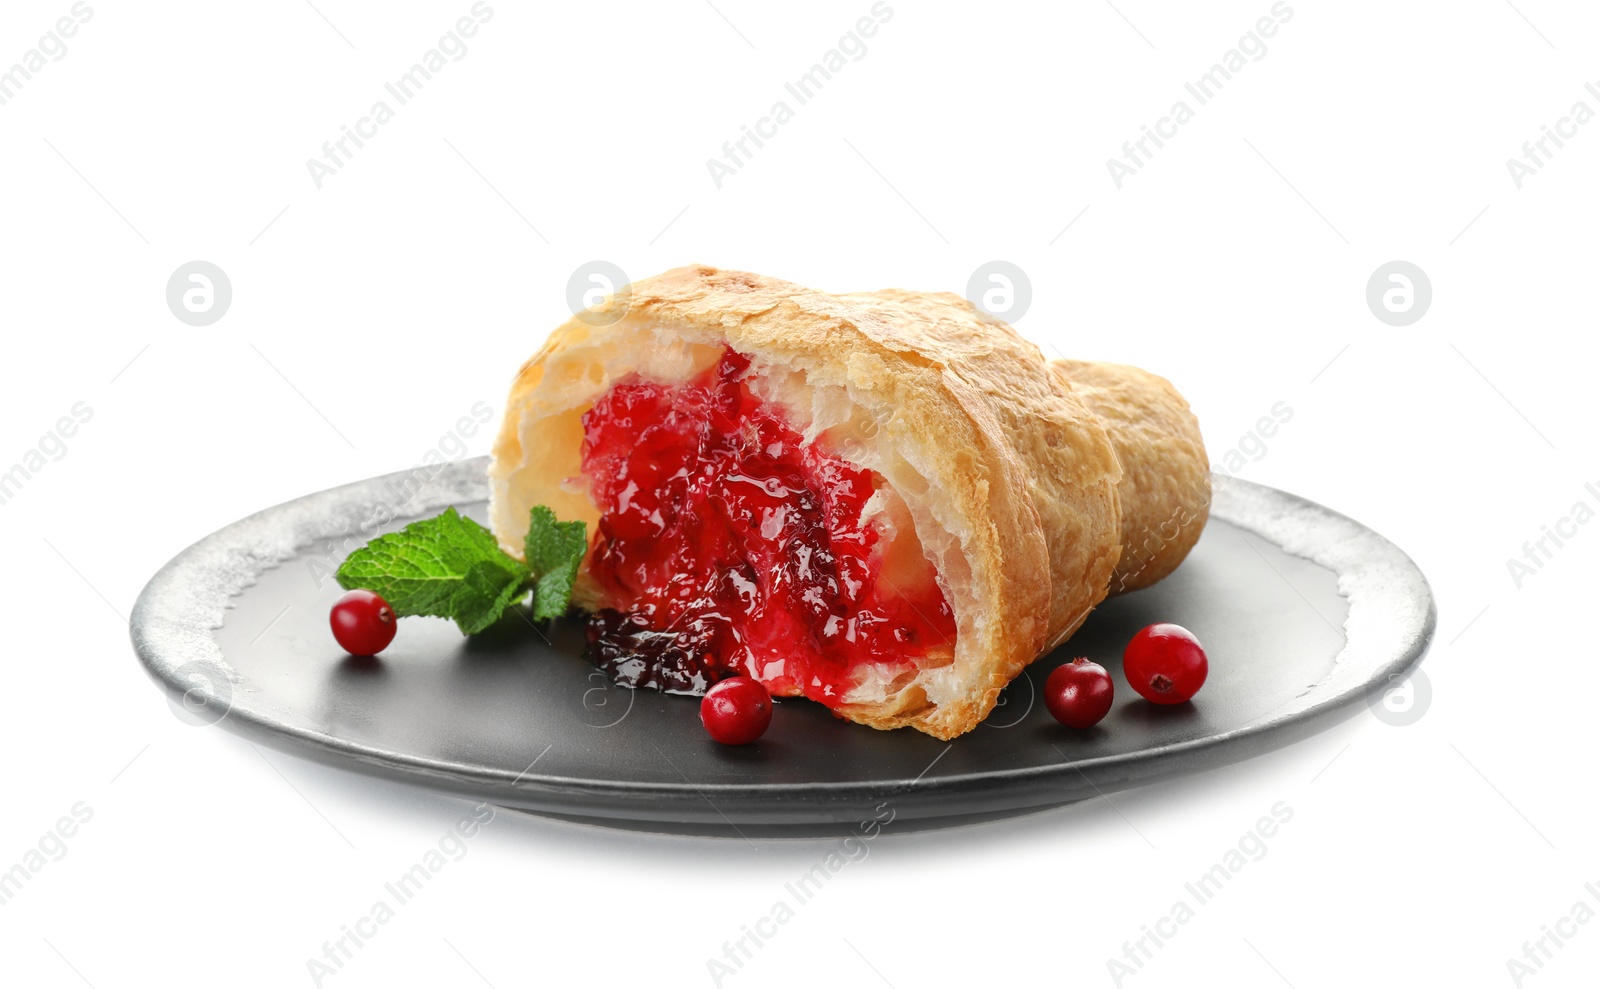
(1305, 615)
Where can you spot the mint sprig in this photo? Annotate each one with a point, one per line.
(553, 550)
(451, 567)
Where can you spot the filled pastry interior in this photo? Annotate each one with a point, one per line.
(884, 501)
(728, 542)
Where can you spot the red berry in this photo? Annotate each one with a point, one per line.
(736, 710)
(363, 623)
(1078, 693)
(1165, 663)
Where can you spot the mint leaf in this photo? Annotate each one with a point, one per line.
(452, 567)
(554, 550)
(447, 566)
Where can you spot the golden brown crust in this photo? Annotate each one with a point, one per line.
(1165, 491)
(1070, 462)
(1007, 471)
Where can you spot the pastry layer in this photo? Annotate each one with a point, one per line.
(1165, 491)
(1007, 477)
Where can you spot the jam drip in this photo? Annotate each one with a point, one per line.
(728, 546)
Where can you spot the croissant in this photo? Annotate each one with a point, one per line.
(887, 502)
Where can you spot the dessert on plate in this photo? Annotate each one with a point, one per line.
(887, 502)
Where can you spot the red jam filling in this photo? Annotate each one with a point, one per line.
(727, 546)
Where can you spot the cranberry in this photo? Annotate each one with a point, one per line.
(363, 623)
(736, 710)
(1165, 663)
(1078, 693)
(728, 545)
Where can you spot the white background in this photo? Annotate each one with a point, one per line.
(371, 314)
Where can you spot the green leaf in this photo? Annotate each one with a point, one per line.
(554, 550)
(447, 566)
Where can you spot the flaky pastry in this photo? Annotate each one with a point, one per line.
(888, 502)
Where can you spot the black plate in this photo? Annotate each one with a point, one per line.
(235, 628)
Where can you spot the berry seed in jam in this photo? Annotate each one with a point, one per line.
(727, 546)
